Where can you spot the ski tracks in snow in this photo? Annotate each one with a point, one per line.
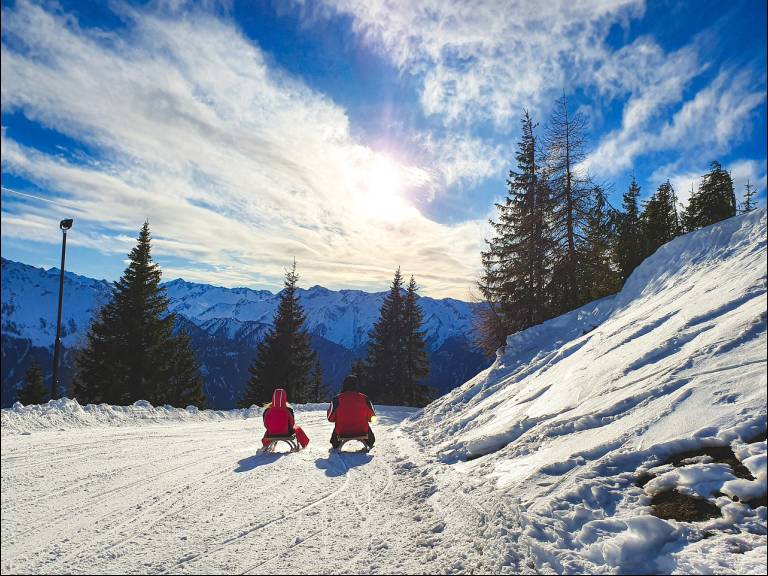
(189, 498)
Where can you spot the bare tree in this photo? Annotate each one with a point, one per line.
(571, 195)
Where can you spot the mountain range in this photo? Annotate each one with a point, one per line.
(225, 325)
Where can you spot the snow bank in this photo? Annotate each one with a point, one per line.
(573, 410)
(67, 414)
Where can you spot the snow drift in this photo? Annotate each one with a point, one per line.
(68, 414)
(573, 410)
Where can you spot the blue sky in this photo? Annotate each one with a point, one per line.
(353, 136)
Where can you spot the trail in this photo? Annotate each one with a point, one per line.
(192, 498)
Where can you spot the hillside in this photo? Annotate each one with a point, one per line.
(573, 413)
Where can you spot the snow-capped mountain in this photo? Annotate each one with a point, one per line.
(225, 324)
(30, 300)
(344, 317)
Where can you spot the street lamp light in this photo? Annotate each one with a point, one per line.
(65, 225)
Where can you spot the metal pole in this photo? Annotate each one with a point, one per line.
(57, 345)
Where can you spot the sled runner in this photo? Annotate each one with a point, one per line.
(273, 440)
(362, 439)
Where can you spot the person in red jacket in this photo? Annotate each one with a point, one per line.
(351, 411)
(279, 420)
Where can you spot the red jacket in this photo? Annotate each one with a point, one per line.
(351, 411)
(278, 418)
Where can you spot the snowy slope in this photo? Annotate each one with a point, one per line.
(573, 410)
(30, 300)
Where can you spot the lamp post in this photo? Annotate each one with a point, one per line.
(65, 225)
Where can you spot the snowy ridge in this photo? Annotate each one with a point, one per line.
(345, 317)
(573, 410)
(30, 299)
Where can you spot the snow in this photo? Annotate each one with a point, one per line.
(193, 495)
(573, 410)
(532, 466)
(345, 317)
(66, 414)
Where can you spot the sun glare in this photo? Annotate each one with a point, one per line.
(383, 189)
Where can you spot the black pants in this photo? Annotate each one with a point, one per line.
(335, 442)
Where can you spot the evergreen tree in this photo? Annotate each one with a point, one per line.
(360, 371)
(516, 263)
(629, 247)
(131, 352)
(714, 201)
(748, 204)
(284, 358)
(320, 391)
(185, 386)
(597, 273)
(572, 200)
(660, 219)
(416, 361)
(384, 365)
(33, 390)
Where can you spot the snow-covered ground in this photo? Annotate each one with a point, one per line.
(142, 490)
(575, 410)
(546, 462)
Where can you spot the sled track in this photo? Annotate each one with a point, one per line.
(194, 557)
(102, 496)
(147, 509)
(349, 474)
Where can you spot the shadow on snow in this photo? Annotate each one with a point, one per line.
(338, 464)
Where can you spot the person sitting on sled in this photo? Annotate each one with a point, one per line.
(351, 411)
(279, 420)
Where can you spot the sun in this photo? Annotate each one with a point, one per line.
(383, 189)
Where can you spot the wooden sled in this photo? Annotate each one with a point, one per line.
(273, 440)
(362, 439)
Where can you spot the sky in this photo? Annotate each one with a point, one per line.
(351, 136)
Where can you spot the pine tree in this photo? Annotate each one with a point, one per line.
(185, 386)
(748, 204)
(320, 391)
(131, 353)
(33, 390)
(714, 201)
(660, 219)
(360, 371)
(572, 199)
(284, 358)
(597, 273)
(414, 393)
(516, 263)
(384, 365)
(629, 246)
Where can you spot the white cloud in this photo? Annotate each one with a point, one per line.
(238, 166)
(485, 61)
(708, 124)
(461, 159)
